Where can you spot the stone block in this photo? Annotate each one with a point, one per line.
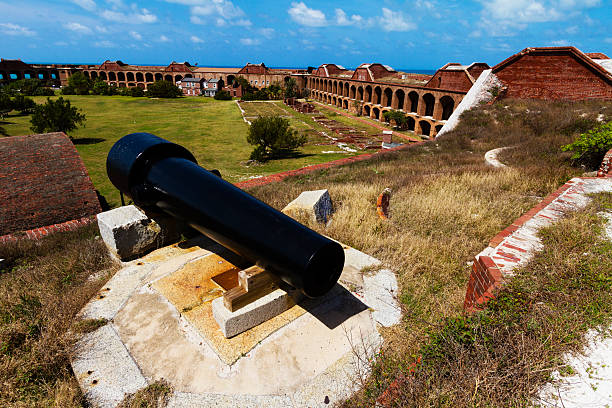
(316, 204)
(129, 232)
(253, 314)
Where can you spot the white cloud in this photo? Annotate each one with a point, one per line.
(196, 40)
(224, 8)
(503, 17)
(104, 44)
(243, 22)
(343, 20)
(303, 15)
(219, 22)
(136, 35)
(608, 40)
(196, 20)
(163, 38)
(101, 29)
(15, 29)
(266, 32)
(137, 16)
(250, 41)
(89, 5)
(61, 43)
(78, 28)
(560, 43)
(395, 21)
(572, 30)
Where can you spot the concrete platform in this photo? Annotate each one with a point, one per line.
(159, 309)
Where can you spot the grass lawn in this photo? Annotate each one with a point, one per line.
(212, 130)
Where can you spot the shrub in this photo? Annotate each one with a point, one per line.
(68, 90)
(42, 91)
(136, 92)
(56, 116)
(400, 119)
(163, 89)
(23, 104)
(80, 83)
(100, 88)
(273, 138)
(590, 148)
(223, 96)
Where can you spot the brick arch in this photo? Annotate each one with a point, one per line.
(352, 91)
(448, 105)
(346, 89)
(86, 73)
(168, 77)
(94, 74)
(376, 113)
(368, 94)
(335, 87)
(398, 99)
(129, 77)
(148, 77)
(139, 77)
(121, 76)
(377, 96)
(366, 110)
(345, 104)
(339, 102)
(424, 128)
(429, 101)
(177, 78)
(112, 76)
(387, 97)
(411, 123)
(360, 93)
(103, 76)
(438, 129)
(413, 98)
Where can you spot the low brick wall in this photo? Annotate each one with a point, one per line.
(515, 245)
(38, 233)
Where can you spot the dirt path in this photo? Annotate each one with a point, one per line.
(374, 125)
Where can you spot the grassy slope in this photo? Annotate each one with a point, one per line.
(212, 130)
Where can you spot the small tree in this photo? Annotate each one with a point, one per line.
(80, 83)
(398, 117)
(6, 105)
(223, 96)
(137, 92)
(56, 116)
(358, 106)
(590, 148)
(273, 138)
(163, 89)
(23, 104)
(100, 88)
(290, 88)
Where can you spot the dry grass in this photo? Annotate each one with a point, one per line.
(43, 285)
(152, 396)
(446, 202)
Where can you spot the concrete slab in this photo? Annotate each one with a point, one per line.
(316, 204)
(313, 350)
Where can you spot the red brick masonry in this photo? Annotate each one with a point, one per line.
(42, 232)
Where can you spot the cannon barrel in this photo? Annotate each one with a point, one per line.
(157, 173)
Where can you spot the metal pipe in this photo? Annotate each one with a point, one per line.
(155, 172)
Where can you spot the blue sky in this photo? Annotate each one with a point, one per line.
(417, 34)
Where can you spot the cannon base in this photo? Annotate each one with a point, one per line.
(159, 310)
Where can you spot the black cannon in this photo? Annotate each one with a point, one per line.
(157, 173)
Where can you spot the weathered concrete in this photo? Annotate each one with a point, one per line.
(128, 232)
(316, 204)
(312, 351)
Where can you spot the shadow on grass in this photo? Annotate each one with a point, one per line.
(88, 140)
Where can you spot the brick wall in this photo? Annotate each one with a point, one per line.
(553, 76)
(42, 182)
(456, 80)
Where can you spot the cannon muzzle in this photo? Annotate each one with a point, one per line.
(157, 173)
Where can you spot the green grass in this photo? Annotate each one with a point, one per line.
(212, 130)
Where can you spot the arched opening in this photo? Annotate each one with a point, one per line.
(345, 104)
(353, 92)
(448, 104)
(399, 99)
(339, 88)
(339, 103)
(139, 77)
(388, 96)
(120, 77)
(429, 101)
(376, 112)
(112, 76)
(86, 73)
(425, 127)
(103, 75)
(377, 95)
(366, 110)
(29, 75)
(131, 84)
(414, 101)
(411, 123)
(142, 86)
(149, 77)
(230, 79)
(438, 129)
(335, 87)
(360, 93)
(94, 74)
(286, 79)
(368, 94)
(334, 100)
(130, 76)
(168, 78)
(188, 76)
(346, 89)
(159, 77)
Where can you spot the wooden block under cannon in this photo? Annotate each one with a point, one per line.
(253, 283)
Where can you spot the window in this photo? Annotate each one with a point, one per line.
(255, 82)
